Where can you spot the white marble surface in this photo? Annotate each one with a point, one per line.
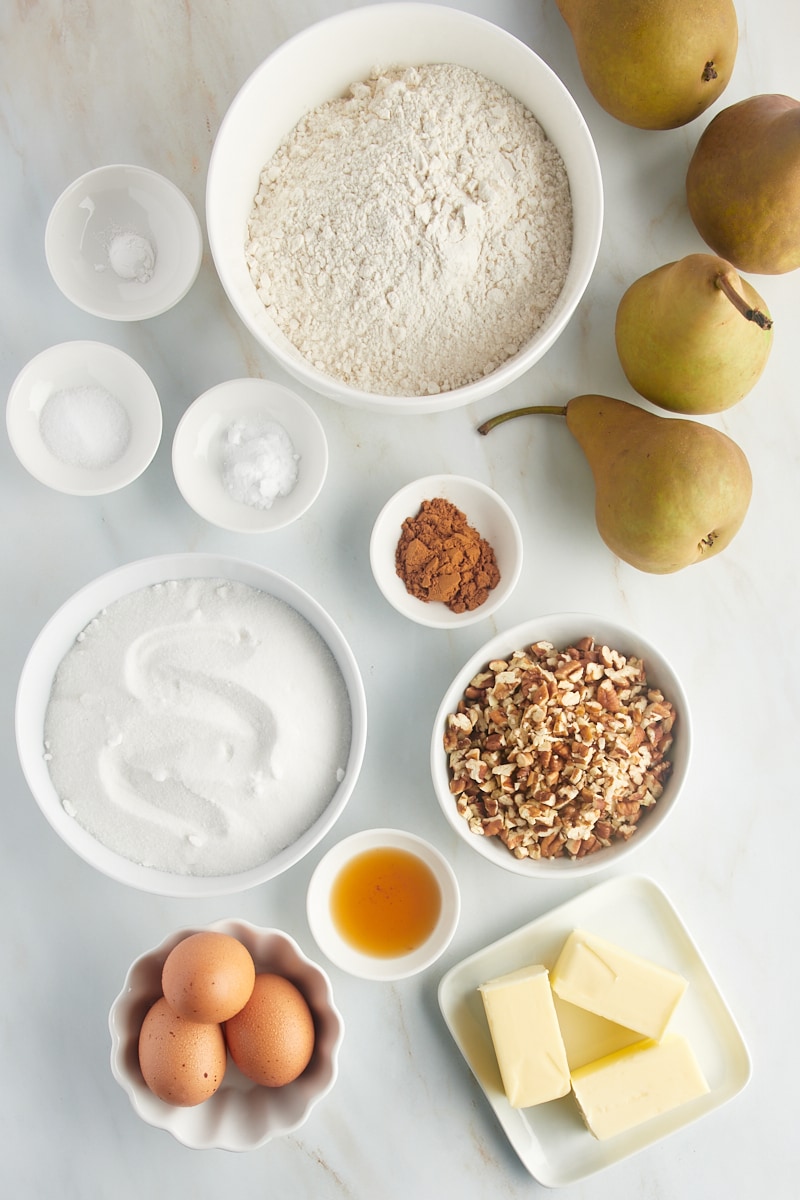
(84, 83)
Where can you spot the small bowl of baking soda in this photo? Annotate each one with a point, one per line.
(250, 456)
(84, 418)
(123, 243)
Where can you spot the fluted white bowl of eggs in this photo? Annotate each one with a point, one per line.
(225, 1035)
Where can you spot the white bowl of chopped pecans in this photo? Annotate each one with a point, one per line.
(561, 745)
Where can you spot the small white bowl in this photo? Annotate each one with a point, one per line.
(74, 365)
(320, 63)
(341, 952)
(96, 233)
(240, 1115)
(58, 636)
(563, 629)
(198, 453)
(486, 512)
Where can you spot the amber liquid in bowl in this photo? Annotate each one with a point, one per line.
(386, 902)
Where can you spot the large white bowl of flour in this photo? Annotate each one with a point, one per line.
(191, 724)
(404, 206)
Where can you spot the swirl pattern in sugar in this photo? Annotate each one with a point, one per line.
(197, 726)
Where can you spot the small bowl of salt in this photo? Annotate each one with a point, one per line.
(84, 418)
(250, 456)
(123, 243)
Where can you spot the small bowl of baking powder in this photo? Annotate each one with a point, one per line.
(407, 237)
(84, 418)
(446, 551)
(124, 243)
(250, 456)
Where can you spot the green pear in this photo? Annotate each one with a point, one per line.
(693, 337)
(655, 64)
(669, 492)
(743, 184)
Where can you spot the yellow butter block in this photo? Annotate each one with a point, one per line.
(587, 1036)
(613, 983)
(632, 1086)
(526, 1036)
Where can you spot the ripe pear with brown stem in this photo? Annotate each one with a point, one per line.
(669, 492)
(654, 64)
(692, 336)
(743, 184)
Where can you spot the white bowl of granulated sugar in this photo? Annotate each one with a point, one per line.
(417, 272)
(157, 724)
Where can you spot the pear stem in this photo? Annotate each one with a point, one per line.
(752, 314)
(556, 410)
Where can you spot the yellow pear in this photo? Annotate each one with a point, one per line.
(743, 184)
(654, 64)
(692, 336)
(669, 492)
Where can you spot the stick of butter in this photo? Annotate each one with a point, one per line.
(631, 1086)
(587, 1036)
(617, 985)
(526, 1037)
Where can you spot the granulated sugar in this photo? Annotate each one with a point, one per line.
(411, 236)
(85, 426)
(197, 726)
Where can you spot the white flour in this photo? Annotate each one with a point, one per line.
(412, 235)
(197, 726)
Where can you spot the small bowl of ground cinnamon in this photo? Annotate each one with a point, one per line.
(446, 551)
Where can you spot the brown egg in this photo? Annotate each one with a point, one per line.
(183, 1062)
(272, 1039)
(208, 977)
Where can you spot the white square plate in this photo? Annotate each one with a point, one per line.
(551, 1139)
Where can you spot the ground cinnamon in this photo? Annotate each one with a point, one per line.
(440, 556)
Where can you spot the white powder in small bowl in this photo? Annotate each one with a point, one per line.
(131, 256)
(259, 462)
(85, 426)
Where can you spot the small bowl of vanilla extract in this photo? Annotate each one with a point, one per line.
(383, 904)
